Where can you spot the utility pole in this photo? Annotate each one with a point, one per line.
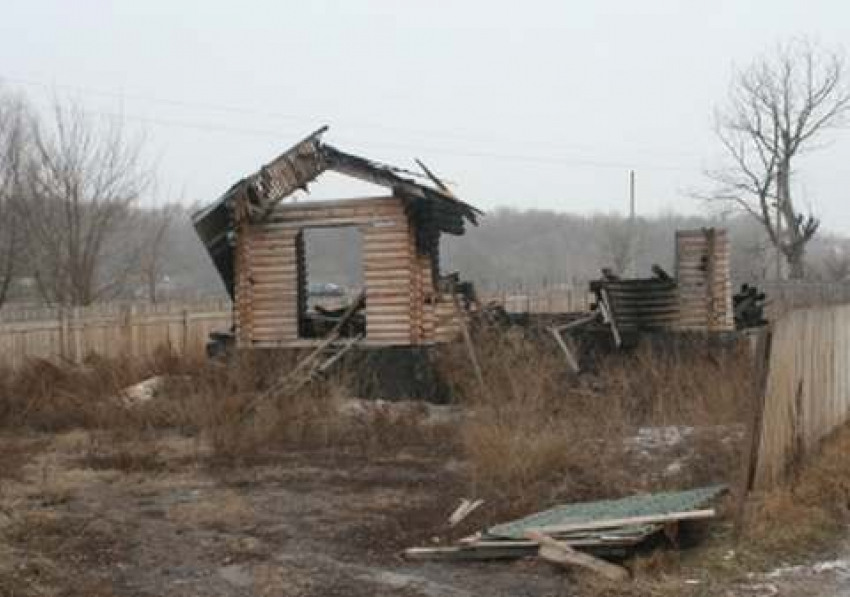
(631, 232)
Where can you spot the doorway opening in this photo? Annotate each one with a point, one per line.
(330, 279)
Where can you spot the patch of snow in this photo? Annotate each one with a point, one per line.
(841, 567)
(236, 575)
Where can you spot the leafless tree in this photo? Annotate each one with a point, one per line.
(156, 248)
(777, 109)
(13, 139)
(84, 178)
(837, 265)
(618, 244)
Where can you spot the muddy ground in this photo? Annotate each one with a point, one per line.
(77, 522)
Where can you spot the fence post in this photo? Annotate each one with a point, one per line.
(64, 340)
(124, 331)
(185, 343)
(76, 333)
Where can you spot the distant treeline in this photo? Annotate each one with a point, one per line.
(510, 249)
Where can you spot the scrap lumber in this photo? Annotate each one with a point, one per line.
(572, 361)
(310, 366)
(504, 549)
(465, 508)
(467, 339)
(558, 331)
(605, 526)
(576, 323)
(608, 314)
(613, 523)
(660, 273)
(560, 553)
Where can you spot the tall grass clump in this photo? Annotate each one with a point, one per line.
(538, 433)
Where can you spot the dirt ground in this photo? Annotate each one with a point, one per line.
(74, 522)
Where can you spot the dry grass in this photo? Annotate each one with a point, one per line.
(540, 435)
(537, 436)
(811, 512)
(201, 399)
(45, 396)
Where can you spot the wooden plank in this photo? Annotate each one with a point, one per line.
(560, 553)
(377, 200)
(391, 275)
(312, 215)
(384, 235)
(386, 285)
(389, 223)
(373, 244)
(387, 309)
(398, 298)
(612, 523)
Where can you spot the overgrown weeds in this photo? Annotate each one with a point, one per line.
(45, 396)
(537, 434)
(208, 400)
(540, 434)
(807, 515)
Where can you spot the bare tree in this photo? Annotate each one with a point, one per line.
(837, 265)
(13, 118)
(618, 244)
(84, 178)
(156, 246)
(777, 109)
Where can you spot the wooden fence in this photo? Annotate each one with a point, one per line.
(112, 330)
(787, 295)
(543, 300)
(807, 393)
(782, 297)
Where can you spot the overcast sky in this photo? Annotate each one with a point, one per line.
(536, 104)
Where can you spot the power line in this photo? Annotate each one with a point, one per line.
(300, 118)
(536, 159)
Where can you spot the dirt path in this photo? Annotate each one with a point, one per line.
(73, 522)
(307, 524)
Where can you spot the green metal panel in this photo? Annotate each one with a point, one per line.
(641, 505)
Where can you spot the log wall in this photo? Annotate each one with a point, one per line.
(704, 280)
(271, 280)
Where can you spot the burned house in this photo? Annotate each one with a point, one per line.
(696, 298)
(256, 238)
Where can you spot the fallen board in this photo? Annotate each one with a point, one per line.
(558, 552)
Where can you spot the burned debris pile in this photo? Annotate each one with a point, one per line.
(749, 305)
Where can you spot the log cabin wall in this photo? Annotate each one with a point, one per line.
(271, 273)
(704, 280)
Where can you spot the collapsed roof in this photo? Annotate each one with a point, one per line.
(432, 206)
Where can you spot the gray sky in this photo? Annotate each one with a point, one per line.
(537, 104)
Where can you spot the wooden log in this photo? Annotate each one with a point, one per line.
(558, 552)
